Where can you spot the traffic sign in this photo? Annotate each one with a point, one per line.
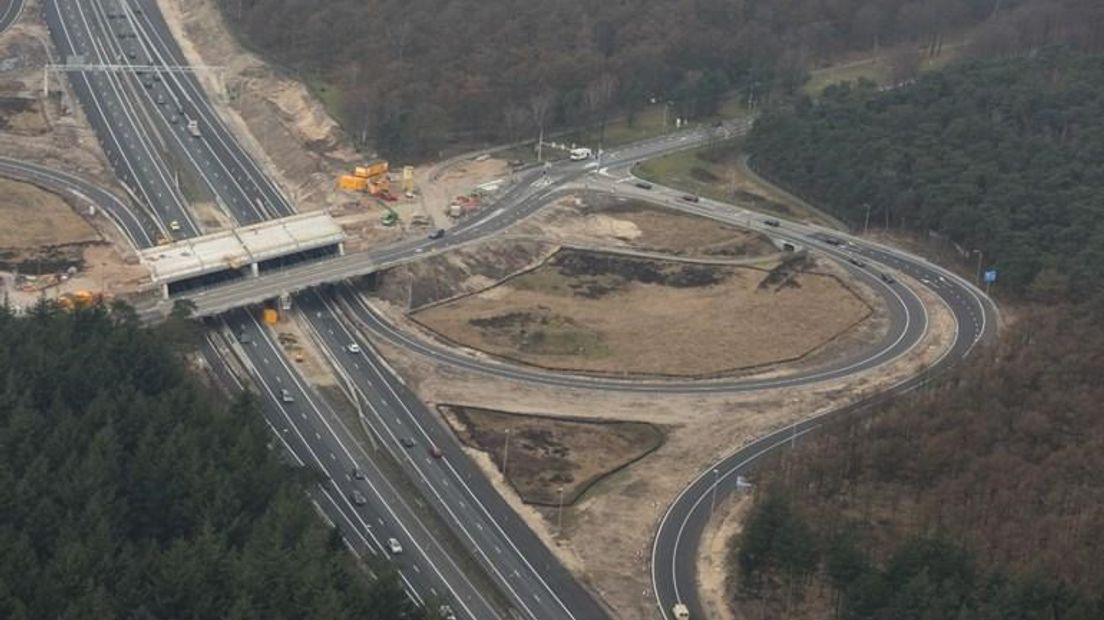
(990, 276)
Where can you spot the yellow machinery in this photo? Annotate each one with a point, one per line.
(372, 178)
(79, 299)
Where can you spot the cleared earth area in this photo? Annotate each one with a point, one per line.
(640, 226)
(611, 314)
(547, 455)
(31, 217)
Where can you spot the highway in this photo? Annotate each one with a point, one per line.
(318, 438)
(10, 10)
(160, 164)
(529, 192)
(146, 150)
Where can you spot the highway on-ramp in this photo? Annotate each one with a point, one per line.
(139, 227)
(133, 116)
(677, 542)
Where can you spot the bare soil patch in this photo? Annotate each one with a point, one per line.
(618, 222)
(31, 217)
(23, 116)
(441, 277)
(595, 312)
(607, 534)
(47, 248)
(547, 454)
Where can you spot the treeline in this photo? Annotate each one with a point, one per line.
(128, 489)
(1002, 156)
(415, 74)
(979, 497)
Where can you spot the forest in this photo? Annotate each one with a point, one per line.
(1005, 157)
(414, 75)
(979, 497)
(129, 488)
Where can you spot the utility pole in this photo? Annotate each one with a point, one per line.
(713, 502)
(866, 224)
(506, 454)
(980, 254)
(559, 516)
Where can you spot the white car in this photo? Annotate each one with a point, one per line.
(352, 347)
(394, 546)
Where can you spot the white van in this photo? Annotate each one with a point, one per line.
(680, 612)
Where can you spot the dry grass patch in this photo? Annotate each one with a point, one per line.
(32, 218)
(648, 228)
(601, 313)
(548, 454)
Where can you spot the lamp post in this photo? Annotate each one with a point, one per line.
(980, 254)
(559, 513)
(713, 502)
(506, 453)
(866, 224)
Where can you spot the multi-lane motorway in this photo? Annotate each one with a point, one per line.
(131, 92)
(139, 97)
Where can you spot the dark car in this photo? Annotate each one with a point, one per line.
(437, 234)
(407, 442)
(435, 452)
(359, 475)
(833, 241)
(857, 262)
(643, 185)
(774, 223)
(358, 498)
(888, 279)
(690, 198)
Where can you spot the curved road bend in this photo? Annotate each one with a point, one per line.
(10, 10)
(136, 224)
(676, 544)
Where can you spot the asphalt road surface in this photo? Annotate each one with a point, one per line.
(677, 542)
(137, 225)
(131, 113)
(319, 439)
(140, 120)
(10, 10)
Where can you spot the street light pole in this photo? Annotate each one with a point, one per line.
(506, 454)
(866, 225)
(980, 255)
(713, 502)
(559, 515)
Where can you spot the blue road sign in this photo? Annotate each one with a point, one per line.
(990, 276)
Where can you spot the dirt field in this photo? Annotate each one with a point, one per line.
(547, 454)
(55, 250)
(596, 219)
(23, 116)
(608, 533)
(588, 311)
(31, 217)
